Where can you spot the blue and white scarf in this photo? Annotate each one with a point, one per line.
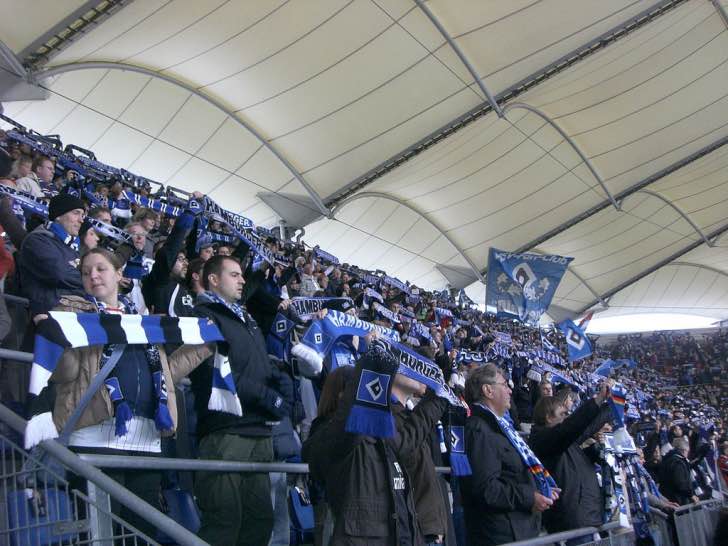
(71, 241)
(544, 482)
(371, 413)
(122, 411)
(465, 356)
(27, 201)
(306, 308)
(330, 258)
(323, 333)
(64, 330)
(384, 313)
(154, 204)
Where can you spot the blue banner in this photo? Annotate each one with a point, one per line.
(522, 285)
(577, 343)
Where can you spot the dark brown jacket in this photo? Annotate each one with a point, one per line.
(356, 473)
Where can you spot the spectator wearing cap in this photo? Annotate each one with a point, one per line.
(49, 256)
(42, 171)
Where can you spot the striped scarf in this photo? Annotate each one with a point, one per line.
(122, 411)
(544, 482)
(64, 330)
(323, 333)
(306, 308)
(28, 202)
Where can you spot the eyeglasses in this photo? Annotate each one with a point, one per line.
(504, 383)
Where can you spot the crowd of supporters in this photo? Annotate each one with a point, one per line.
(85, 246)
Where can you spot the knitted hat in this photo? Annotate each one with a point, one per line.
(63, 203)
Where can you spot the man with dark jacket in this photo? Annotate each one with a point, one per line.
(164, 289)
(368, 486)
(501, 499)
(555, 439)
(676, 481)
(236, 508)
(48, 259)
(429, 503)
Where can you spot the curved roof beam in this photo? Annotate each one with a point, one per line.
(378, 195)
(94, 65)
(459, 52)
(667, 261)
(676, 209)
(568, 139)
(701, 266)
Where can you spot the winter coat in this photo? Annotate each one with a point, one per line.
(358, 471)
(77, 367)
(48, 269)
(499, 495)
(163, 294)
(580, 502)
(676, 481)
(430, 506)
(265, 392)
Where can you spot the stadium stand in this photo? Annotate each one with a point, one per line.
(221, 289)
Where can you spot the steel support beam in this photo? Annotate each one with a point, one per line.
(721, 11)
(626, 193)
(102, 65)
(677, 209)
(78, 23)
(378, 195)
(556, 67)
(461, 55)
(652, 269)
(568, 139)
(7, 55)
(701, 266)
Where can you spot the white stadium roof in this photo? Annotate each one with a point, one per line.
(413, 136)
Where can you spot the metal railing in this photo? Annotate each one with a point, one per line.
(106, 487)
(615, 535)
(696, 523)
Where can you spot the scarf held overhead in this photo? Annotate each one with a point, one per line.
(64, 330)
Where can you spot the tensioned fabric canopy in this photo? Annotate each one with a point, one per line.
(413, 136)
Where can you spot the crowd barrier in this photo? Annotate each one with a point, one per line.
(695, 524)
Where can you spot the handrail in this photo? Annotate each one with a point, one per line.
(696, 505)
(20, 356)
(208, 465)
(555, 538)
(113, 488)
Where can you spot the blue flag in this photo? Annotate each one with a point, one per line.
(522, 285)
(577, 343)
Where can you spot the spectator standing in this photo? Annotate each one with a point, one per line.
(501, 499)
(676, 481)
(236, 508)
(555, 439)
(366, 481)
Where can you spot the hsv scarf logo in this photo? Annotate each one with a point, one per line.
(373, 387)
(457, 434)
